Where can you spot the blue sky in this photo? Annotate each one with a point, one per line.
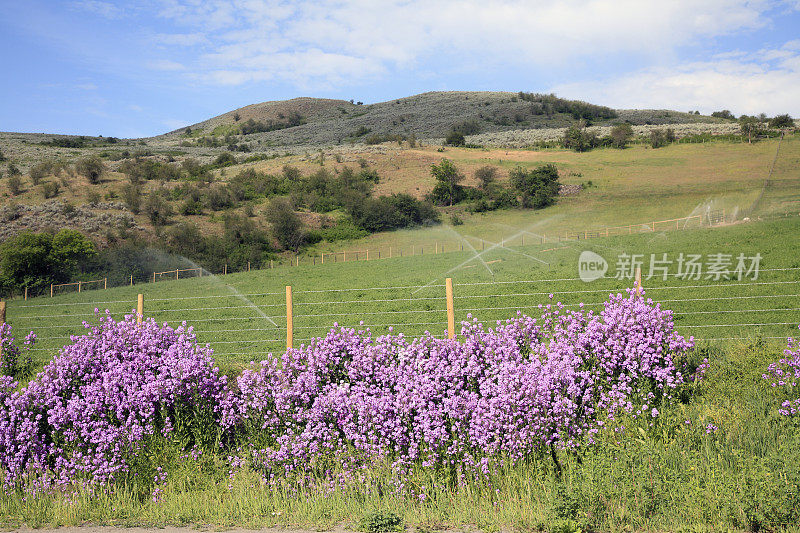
(131, 69)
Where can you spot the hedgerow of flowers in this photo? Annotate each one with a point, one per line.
(347, 401)
(526, 387)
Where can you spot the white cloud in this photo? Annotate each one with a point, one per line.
(304, 42)
(104, 9)
(175, 123)
(766, 81)
(165, 65)
(181, 39)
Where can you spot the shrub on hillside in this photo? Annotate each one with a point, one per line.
(621, 134)
(447, 190)
(286, 225)
(723, 114)
(537, 187)
(14, 184)
(50, 189)
(157, 209)
(455, 138)
(91, 168)
(392, 212)
(579, 138)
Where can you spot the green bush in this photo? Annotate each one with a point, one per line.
(579, 139)
(781, 121)
(455, 138)
(538, 187)
(392, 212)
(91, 168)
(132, 196)
(380, 521)
(157, 209)
(36, 260)
(447, 189)
(286, 225)
(14, 184)
(50, 189)
(621, 134)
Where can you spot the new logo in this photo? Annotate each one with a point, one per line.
(591, 266)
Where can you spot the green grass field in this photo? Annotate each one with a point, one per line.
(242, 315)
(632, 186)
(673, 474)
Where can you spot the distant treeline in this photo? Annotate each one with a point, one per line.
(548, 104)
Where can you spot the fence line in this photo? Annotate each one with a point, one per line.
(713, 218)
(400, 312)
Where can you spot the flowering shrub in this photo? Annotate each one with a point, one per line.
(526, 387)
(94, 405)
(786, 374)
(14, 361)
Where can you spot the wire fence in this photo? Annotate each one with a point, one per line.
(709, 218)
(245, 326)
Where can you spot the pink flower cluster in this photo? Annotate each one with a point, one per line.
(15, 361)
(495, 394)
(528, 386)
(92, 406)
(786, 374)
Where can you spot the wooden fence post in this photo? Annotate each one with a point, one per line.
(2, 313)
(177, 274)
(638, 280)
(451, 317)
(154, 277)
(271, 266)
(51, 290)
(289, 321)
(225, 270)
(139, 308)
(248, 266)
(105, 283)
(79, 286)
(26, 294)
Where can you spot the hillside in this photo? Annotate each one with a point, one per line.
(426, 116)
(209, 193)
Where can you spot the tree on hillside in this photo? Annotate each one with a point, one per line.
(781, 121)
(286, 225)
(486, 176)
(750, 127)
(447, 189)
(35, 260)
(621, 134)
(579, 138)
(538, 187)
(726, 114)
